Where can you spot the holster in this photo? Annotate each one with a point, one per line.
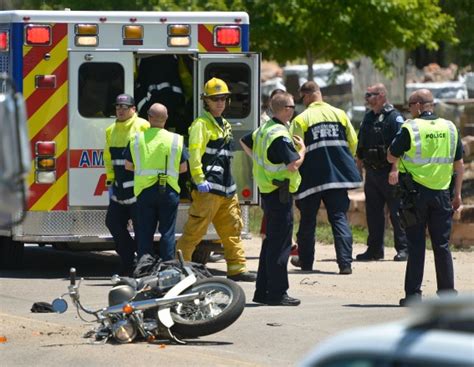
(283, 190)
(408, 215)
(408, 212)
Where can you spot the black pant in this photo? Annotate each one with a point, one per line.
(337, 203)
(157, 207)
(272, 277)
(435, 210)
(378, 192)
(116, 221)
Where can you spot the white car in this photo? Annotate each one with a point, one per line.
(439, 333)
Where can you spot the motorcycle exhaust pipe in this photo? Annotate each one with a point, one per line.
(150, 303)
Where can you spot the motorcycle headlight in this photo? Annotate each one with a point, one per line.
(124, 331)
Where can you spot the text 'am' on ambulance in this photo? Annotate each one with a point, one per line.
(71, 65)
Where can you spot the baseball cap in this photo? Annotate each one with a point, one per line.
(125, 99)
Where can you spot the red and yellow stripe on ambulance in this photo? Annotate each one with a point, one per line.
(48, 115)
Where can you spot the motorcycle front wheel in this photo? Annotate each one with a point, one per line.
(222, 305)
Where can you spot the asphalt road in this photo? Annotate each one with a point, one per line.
(263, 335)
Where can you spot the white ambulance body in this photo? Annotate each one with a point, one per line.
(70, 66)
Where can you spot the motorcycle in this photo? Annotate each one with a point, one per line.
(171, 304)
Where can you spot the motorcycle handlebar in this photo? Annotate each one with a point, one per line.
(72, 275)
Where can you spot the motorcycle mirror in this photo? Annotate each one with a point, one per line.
(59, 305)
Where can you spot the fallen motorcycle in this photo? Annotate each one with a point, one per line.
(172, 304)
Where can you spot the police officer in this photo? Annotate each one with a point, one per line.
(122, 203)
(379, 126)
(276, 159)
(327, 172)
(429, 149)
(157, 157)
(214, 199)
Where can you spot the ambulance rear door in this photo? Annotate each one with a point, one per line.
(241, 72)
(96, 78)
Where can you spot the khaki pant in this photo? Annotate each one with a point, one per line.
(225, 215)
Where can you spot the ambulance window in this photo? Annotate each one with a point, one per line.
(237, 77)
(99, 84)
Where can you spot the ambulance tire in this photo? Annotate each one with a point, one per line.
(11, 253)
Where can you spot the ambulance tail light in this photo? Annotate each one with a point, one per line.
(45, 162)
(179, 35)
(86, 35)
(132, 35)
(38, 35)
(227, 36)
(45, 81)
(4, 41)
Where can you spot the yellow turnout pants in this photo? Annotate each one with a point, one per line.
(225, 215)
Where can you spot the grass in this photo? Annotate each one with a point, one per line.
(324, 232)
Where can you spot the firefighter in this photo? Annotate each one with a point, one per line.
(276, 159)
(157, 157)
(379, 126)
(428, 150)
(214, 198)
(122, 203)
(327, 172)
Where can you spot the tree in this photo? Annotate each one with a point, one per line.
(463, 13)
(341, 30)
(337, 30)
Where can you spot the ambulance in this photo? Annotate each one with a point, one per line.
(70, 66)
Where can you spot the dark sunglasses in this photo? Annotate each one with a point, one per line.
(122, 106)
(218, 98)
(368, 95)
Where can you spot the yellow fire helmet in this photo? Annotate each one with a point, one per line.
(215, 87)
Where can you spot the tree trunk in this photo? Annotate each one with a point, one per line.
(309, 62)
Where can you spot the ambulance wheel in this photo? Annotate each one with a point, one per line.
(11, 253)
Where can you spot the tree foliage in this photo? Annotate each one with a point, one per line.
(340, 30)
(463, 13)
(336, 30)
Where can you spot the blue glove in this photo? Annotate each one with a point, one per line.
(204, 187)
(111, 190)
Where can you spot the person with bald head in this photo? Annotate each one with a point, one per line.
(428, 152)
(378, 128)
(157, 157)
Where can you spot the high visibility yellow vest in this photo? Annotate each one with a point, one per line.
(156, 151)
(264, 170)
(432, 150)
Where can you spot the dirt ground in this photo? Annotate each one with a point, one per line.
(371, 282)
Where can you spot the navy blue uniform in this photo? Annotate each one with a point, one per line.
(435, 212)
(375, 135)
(272, 277)
(154, 206)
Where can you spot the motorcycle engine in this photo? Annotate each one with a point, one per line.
(168, 278)
(120, 294)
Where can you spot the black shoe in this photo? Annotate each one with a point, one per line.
(409, 300)
(346, 270)
(286, 300)
(246, 276)
(126, 271)
(369, 256)
(259, 300)
(401, 256)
